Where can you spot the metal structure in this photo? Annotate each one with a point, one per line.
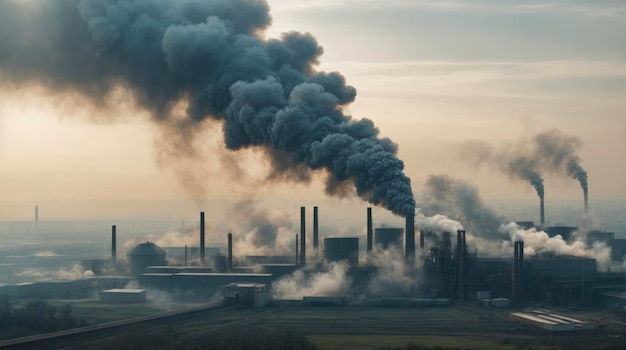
(370, 230)
(144, 255)
(202, 237)
(342, 249)
(315, 229)
(113, 247)
(410, 238)
(388, 236)
(302, 236)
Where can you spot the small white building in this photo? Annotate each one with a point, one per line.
(123, 296)
(253, 294)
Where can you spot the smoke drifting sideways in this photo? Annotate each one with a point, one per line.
(209, 56)
(450, 204)
(549, 151)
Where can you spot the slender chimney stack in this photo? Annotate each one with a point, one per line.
(460, 244)
(302, 236)
(410, 238)
(230, 251)
(114, 247)
(297, 250)
(542, 213)
(36, 217)
(586, 194)
(370, 230)
(422, 234)
(185, 255)
(518, 271)
(315, 229)
(202, 237)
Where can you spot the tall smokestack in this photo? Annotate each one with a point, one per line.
(315, 229)
(297, 251)
(113, 247)
(230, 251)
(514, 273)
(185, 255)
(36, 217)
(410, 238)
(586, 195)
(460, 253)
(518, 272)
(370, 229)
(202, 236)
(542, 213)
(422, 234)
(302, 236)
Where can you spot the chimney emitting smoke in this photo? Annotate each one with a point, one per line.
(302, 236)
(542, 213)
(315, 229)
(202, 237)
(230, 252)
(114, 247)
(370, 230)
(410, 238)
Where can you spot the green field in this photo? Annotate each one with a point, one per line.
(361, 327)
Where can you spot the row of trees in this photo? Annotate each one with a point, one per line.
(34, 317)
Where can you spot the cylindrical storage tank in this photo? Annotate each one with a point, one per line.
(388, 236)
(144, 255)
(342, 248)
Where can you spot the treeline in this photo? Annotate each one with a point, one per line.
(228, 338)
(34, 317)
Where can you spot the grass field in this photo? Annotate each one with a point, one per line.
(362, 327)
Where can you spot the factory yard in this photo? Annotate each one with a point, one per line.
(362, 327)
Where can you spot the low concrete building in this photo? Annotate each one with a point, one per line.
(252, 294)
(123, 296)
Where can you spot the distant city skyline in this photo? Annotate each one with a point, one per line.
(431, 75)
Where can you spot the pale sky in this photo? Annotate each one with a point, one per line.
(430, 74)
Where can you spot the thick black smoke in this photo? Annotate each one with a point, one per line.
(210, 55)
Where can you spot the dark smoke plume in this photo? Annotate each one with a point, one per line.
(209, 55)
(516, 164)
(557, 153)
(550, 151)
(460, 201)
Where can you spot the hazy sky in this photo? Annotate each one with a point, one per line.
(432, 75)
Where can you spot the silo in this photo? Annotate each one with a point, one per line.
(388, 236)
(144, 255)
(342, 248)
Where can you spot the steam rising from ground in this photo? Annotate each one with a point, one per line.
(331, 281)
(74, 272)
(259, 231)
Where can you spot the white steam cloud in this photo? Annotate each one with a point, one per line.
(332, 281)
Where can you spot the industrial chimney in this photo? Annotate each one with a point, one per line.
(315, 229)
(202, 237)
(460, 253)
(302, 236)
(113, 247)
(297, 256)
(586, 195)
(410, 238)
(369, 229)
(517, 275)
(230, 252)
(542, 213)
